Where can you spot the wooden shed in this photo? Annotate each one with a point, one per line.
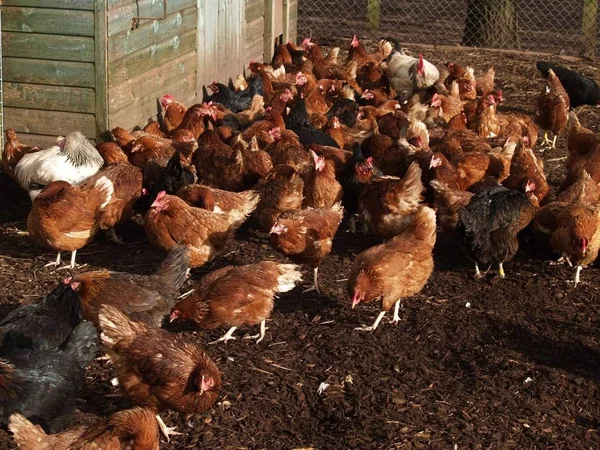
(91, 65)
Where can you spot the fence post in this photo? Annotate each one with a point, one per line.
(373, 13)
(588, 26)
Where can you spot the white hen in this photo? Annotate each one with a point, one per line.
(408, 73)
(73, 159)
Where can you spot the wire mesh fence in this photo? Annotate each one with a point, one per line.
(553, 26)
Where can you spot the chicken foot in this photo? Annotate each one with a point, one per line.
(112, 236)
(54, 263)
(375, 324)
(260, 336)
(315, 285)
(577, 272)
(501, 270)
(396, 317)
(72, 265)
(227, 337)
(562, 260)
(165, 430)
(551, 144)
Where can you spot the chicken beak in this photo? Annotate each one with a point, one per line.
(355, 300)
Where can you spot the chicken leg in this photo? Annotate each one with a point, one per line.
(54, 263)
(72, 265)
(227, 337)
(396, 318)
(165, 430)
(577, 272)
(260, 336)
(477, 271)
(550, 143)
(375, 324)
(315, 285)
(501, 270)
(112, 236)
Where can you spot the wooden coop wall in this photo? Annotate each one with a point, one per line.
(83, 65)
(49, 74)
(156, 58)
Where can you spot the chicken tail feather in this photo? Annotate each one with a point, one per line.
(27, 435)
(289, 275)
(173, 270)
(116, 325)
(424, 225)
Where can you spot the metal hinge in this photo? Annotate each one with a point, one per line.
(135, 21)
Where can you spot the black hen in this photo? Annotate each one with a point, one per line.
(45, 325)
(298, 122)
(345, 110)
(357, 173)
(489, 225)
(581, 89)
(236, 101)
(43, 385)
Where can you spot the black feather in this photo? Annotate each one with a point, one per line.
(581, 89)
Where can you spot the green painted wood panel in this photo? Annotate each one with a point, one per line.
(119, 19)
(137, 63)
(59, 4)
(151, 32)
(56, 98)
(41, 140)
(59, 73)
(101, 71)
(38, 121)
(49, 21)
(149, 83)
(48, 46)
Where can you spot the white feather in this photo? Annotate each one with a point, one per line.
(50, 165)
(104, 184)
(290, 275)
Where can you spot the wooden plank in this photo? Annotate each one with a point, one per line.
(155, 80)
(255, 9)
(222, 38)
(101, 72)
(120, 19)
(151, 32)
(48, 46)
(209, 55)
(256, 30)
(268, 38)
(41, 96)
(200, 46)
(41, 140)
(50, 21)
(139, 62)
(38, 71)
(57, 4)
(138, 113)
(41, 122)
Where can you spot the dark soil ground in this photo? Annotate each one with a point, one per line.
(474, 364)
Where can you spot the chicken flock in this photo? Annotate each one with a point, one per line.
(400, 148)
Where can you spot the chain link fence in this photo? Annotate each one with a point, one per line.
(566, 27)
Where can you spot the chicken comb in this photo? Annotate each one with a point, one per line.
(355, 41)
(166, 100)
(160, 195)
(306, 42)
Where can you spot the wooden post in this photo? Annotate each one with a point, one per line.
(268, 30)
(101, 74)
(588, 26)
(373, 13)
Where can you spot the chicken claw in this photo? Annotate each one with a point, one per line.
(477, 271)
(54, 263)
(550, 144)
(562, 260)
(375, 324)
(112, 236)
(501, 270)
(315, 285)
(260, 336)
(227, 337)
(165, 430)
